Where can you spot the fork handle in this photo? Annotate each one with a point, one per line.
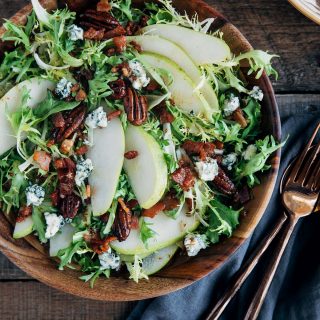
(245, 271)
(260, 294)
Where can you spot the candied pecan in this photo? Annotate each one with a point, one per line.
(131, 154)
(24, 213)
(93, 34)
(58, 120)
(122, 222)
(143, 21)
(131, 28)
(66, 146)
(43, 159)
(119, 89)
(171, 202)
(201, 149)
(238, 116)
(120, 43)
(50, 143)
(99, 245)
(136, 46)
(75, 87)
(131, 204)
(83, 76)
(114, 114)
(184, 177)
(81, 95)
(70, 205)
(136, 107)
(66, 176)
(55, 198)
(219, 144)
(98, 20)
(111, 52)
(152, 86)
(116, 32)
(224, 184)
(82, 150)
(103, 6)
(154, 210)
(162, 112)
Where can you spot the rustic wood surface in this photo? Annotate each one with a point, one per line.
(268, 24)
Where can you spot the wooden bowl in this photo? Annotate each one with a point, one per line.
(31, 257)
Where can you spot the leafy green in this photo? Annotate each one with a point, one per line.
(135, 269)
(39, 223)
(94, 275)
(146, 232)
(253, 112)
(222, 220)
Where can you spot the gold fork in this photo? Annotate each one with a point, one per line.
(300, 196)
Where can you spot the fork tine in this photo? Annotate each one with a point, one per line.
(298, 163)
(316, 181)
(304, 174)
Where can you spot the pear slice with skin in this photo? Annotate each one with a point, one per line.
(167, 232)
(11, 102)
(184, 92)
(107, 155)
(23, 228)
(202, 48)
(164, 47)
(148, 172)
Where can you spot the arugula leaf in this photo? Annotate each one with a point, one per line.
(253, 112)
(146, 233)
(66, 255)
(39, 223)
(222, 220)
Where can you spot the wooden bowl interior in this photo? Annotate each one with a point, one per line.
(31, 257)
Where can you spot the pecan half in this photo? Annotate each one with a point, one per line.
(58, 120)
(98, 20)
(66, 176)
(223, 183)
(94, 34)
(119, 89)
(136, 107)
(238, 116)
(122, 223)
(164, 115)
(70, 205)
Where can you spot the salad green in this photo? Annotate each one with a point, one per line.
(121, 139)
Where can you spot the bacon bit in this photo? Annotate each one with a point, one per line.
(164, 115)
(75, 87)
(43, 159)
(185, 177)
(116, 32)
(66, 146)
(24, 213)
(93, 34)
(81, 95)
(88, 191)
(50, 143)
(58, 120)
(120, 43)
(154, 210)
(135, 223)
(100, 246)
(136, 46)
(55, 198)
(219, 144)
(103, 6)
(238, 116)
(202, 149)
(131, 155)
(82, 150)
(152, 86)
(113, 115)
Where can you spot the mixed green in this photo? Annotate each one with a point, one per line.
(127, 133)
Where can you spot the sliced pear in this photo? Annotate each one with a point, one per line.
(61, 240)
(164, 47)
(23, 229)
(168, 231)
(183, 90)
(107, 154)
(148, 172)
(157, 260)
(12, 101)
(202, 48)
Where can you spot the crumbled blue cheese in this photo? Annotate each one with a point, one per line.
(35, 195)
(75, 33)
(256, 93)
(250, 152)
(83, 170)
(54, 223)
(229, 160)
(194, 243)
(97, 118)
(109, 260)
(63, 88)
(138, 77)
(230, 105)
(208, 169)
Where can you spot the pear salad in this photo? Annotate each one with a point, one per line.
(126, 134)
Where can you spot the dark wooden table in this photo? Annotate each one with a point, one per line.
(269, 25)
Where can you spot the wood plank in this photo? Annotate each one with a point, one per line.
(33, 300)
(272, 25)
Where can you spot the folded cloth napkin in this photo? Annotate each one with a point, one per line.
(295, 290)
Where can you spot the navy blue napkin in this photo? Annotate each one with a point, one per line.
(295, 290)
